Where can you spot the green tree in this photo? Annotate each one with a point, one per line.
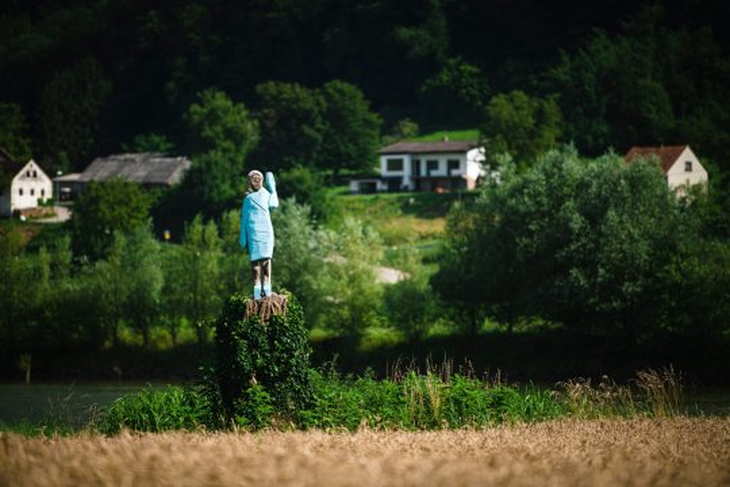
(222, 133)
(299, 258)
(411, 305)
(149, 143)
(428, 37)
(143, 280)
(456, 94)
(12, 295)
(520, 125)
(307, 186)
(350, 280)
(70, 111)
(402, 129)
(216, 122)
(292, 127)
(235, 265)
(578, 242)
(13, 132)
(174, 297)
(649, 83)
(110, 289)
(201, 266)
(351, 135)
(102, 209)
(214, 183)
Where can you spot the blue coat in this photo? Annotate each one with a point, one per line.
(257, 233)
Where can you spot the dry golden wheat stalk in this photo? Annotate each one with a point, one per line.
(653, 452)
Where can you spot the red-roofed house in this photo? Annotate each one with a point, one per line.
(681, 166)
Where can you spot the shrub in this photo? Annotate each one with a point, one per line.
(417, 401)
(152, 410)
(265, 358)
(351, 402)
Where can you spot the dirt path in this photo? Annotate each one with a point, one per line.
(644, 452)
(63, 213)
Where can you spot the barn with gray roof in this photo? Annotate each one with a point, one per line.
(150, 169)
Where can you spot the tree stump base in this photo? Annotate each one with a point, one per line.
(266, 307)
(266, 339)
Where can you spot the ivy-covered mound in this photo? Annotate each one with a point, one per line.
(262, 359)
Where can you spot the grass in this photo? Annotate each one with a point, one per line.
(651, 452)
(173, 408)
(471, 134)
(402, 218)
(438, 398)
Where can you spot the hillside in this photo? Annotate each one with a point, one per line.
(401, 218)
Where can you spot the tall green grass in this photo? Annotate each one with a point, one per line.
(173, 408)
(408, 400)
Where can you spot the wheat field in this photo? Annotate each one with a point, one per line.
(654, 452)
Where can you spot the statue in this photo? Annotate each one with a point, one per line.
(257, 233)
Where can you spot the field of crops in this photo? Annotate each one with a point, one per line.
(671, 451)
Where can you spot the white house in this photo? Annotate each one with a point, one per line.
(428, 166)
(681, 166)
(28, 185)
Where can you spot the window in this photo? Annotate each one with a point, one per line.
(43, 193)
(20, 191)
(453, 165)
(394, 165)
(27, 173)
(416, 167)
(432, 165)
(32, 191)
(688, 166)
(35, 173)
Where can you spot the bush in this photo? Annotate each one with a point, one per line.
(308, 187)
(417, 402)
(173, 408)
(262, 358)
(351, 402)
(410, 402)
(411, 306)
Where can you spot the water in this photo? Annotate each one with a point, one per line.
(73, 404)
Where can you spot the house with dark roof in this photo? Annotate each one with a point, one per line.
(150, 169)
(682, 169)
(426, 166)
(24, 185)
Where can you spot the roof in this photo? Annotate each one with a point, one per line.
(667, 155)
(407, 147)
(145, 168)
(68, 178)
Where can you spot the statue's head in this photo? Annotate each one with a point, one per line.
(255, 180)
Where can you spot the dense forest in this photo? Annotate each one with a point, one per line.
(84, 78)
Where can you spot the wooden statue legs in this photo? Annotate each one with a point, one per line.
(261, 272)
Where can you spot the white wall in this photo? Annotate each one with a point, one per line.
(28, 186)
(474, 166)
(679, 179)
(469, 165)
(404, 174)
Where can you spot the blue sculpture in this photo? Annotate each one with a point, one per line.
(257, 233)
